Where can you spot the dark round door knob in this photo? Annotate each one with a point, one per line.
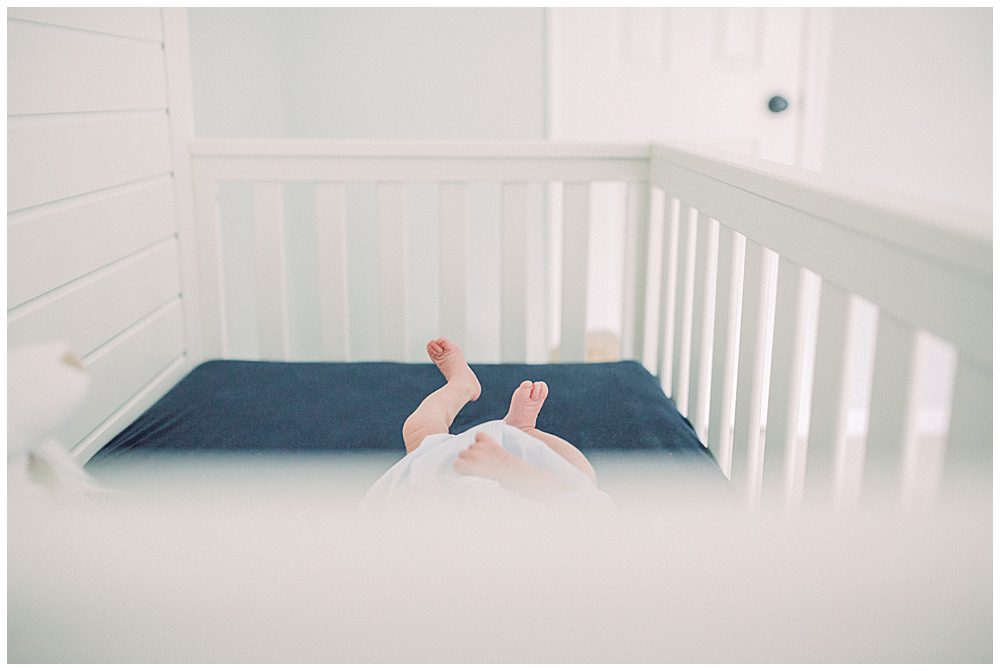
(777, 104)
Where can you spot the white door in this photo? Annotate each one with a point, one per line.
(702, 76)
(696, 75)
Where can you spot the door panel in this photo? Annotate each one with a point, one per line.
(695, 75)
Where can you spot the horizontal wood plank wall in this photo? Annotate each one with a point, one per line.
(93, 244)
(93, 231)
(62, 58)
(95, 308)
(52, 157)
(135, 23)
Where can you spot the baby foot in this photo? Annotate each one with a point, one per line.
(525, 404)
(451, 362)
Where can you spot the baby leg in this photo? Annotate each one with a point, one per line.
(525, 405)
(438, 410)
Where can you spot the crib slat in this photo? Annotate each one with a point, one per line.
(751, 379)
(514, 273)
(781, 444)
(703, 322)
(633, 327)
(576, 233)
(652, 337)
(968, 464)
(331, 233)
(668, 293)
(453, 235)
(271, 284)
(391, 198)
(686, 241)
(891, 423)
(211, 289)
(873, 266)
(827, 443)
(725, 343)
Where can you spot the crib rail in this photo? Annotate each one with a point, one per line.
(763, 297)
(524, 174)
(782, 263)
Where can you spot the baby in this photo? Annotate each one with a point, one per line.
(485, 457)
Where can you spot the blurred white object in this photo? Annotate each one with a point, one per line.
(267, 571)
(45, 385)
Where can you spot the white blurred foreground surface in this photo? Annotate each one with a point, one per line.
(274, 563)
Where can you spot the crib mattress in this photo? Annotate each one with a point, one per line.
(266, 408)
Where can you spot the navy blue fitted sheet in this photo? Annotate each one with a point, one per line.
(278, 408)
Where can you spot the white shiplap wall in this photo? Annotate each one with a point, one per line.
(98, 203)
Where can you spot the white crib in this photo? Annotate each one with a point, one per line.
(750, 289)
(800, 324)
(740, 286)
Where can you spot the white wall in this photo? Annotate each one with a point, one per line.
(235, 72)
(910, 109)
(97, 204)
(446, 74)
(909, 101)
(369, 73)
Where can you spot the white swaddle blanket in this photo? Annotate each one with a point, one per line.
(426, 476)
